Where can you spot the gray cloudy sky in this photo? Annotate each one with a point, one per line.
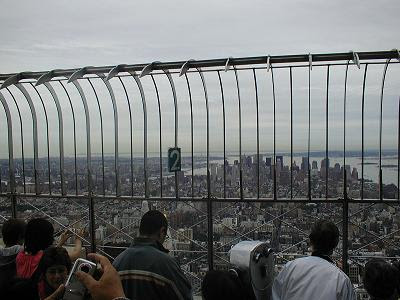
(48, 34)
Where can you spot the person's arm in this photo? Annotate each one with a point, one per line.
(108, 287)
(64, 237)
(76, 252)
(182, 283)
(277, 286)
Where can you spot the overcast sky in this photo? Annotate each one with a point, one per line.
(48, 34)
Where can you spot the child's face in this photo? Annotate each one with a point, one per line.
(56, 275)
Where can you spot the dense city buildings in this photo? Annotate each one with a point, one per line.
(374, 230)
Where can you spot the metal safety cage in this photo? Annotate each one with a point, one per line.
(87, 147)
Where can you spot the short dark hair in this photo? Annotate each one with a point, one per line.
(54, 256)
(151, 222)
(222, 285)
(13, 231)
(38, 235)
(381, 279)
(324, 236)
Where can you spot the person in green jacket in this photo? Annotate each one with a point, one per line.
(145, 268)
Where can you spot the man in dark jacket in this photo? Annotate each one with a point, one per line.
(146, 269)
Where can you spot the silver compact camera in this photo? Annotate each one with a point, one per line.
(74, 289)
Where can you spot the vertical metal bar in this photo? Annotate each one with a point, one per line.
(380, 131)
(130, 131)
(92, 228)
(327, 134)
(160, 138)
(142, 96)
(35, 135)
(74, 135)
(258, 134)
(345, 230)
(291, 133)
(240, 135)
(274, 125)
(309, 135)
(209, 202)
(191, 131)
(398, 154)
(116, 132)
(344, 134)
(224, 127)
(11, 168)
(362, 131)
(22, 141)
(60, 133)
(47, 135)
(101, 135)
(171, 82)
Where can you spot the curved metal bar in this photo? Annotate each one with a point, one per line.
(60, 133)
(101, 134)
(309, 132)
(171, 83)
(258, 134)
(147, 69)
(160, 138)
(268, 63)
(88, 141)
(356, 59)
(74, 134)
(398, 152)
(227, 64)
(310, 61)
(274, 125)
(362, 132)
(240, 133)
(116, 131)
(142, 96)
(11, 169)
(22, 139)
(47, 135)
(327, 134)
(344, 132)
(380, 131)
(114, 72)
(224, 129)
(191, 131)
(35, 134)
(291, 133)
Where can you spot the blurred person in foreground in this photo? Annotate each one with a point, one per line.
(146, 269)
(13, 232)
(381, 280)
(315, 276)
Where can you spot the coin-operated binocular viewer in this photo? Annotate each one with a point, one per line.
(256, 258)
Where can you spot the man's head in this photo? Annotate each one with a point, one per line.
(154, 225)
(381, 280)
(13, 232)
(324, 237)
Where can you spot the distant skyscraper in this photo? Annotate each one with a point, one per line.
(279, 162)
(145, 207)
(325, 163)
(315, 165)
(268, 161)
(304, 164)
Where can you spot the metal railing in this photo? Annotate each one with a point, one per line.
(227, 100)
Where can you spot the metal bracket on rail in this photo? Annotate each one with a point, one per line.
(78, 74)
(310, 60)
(227, 64)
(185, 67)
(148, 69)
(268, 63)
(14, 79)
(114, 71)
(45, 77)
(398, 53)
(356, 59)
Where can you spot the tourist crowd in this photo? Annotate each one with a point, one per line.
(33, 266)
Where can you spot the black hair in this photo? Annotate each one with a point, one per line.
(38, 235)
(324, 236)
(54, 256)
(381, 279)
(13, 231)
(151, 222)
(222, 285)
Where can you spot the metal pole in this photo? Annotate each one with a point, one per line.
(345, 228)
